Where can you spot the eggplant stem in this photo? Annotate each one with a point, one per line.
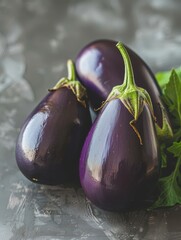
(134, 98)
(128, 72)
(73, 84)
(71, 70)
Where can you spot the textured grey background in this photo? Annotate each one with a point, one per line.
(36, 39)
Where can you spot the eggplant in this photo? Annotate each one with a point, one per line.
(50, 141)
(120, 159)
(100, 67)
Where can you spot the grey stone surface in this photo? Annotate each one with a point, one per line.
(36, 39)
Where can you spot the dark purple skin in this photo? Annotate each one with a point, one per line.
(100, 67)
(116, 171)
(49, 144)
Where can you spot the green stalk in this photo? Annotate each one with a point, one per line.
(71, 70)
(128, 76)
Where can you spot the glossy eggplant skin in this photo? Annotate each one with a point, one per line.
(50, 141)
(116, 172)
(100, 67)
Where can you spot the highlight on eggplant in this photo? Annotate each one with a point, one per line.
(120, 159)
(50, 141)
(100, 67)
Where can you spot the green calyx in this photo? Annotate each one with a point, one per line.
(133, 97)
(72, 83)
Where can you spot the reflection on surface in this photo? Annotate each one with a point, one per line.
(98, 149)
(97, 67)
(33, 134)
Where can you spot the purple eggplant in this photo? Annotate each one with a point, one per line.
(120, 162)
(100, 67)
(50, 141)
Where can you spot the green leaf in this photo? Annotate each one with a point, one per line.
(170, 186)
(170, 83)
(163, 155)
(170, 194)
(178, 71)
(163, 77)
(175, 149)
(172, 96)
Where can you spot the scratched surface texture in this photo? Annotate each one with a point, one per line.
(36, 39)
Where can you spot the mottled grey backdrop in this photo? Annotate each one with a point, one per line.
(36, 39)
